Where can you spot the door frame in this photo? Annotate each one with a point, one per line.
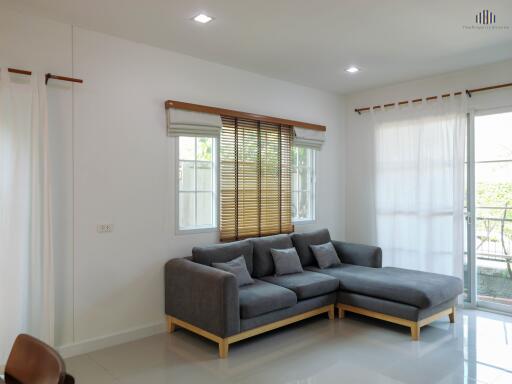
(471, 208)
(472, 285)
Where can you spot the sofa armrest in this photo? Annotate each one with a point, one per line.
(202, 296)
(359, 254)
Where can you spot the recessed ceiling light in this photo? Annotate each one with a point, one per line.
(202, 18)
(352, 69)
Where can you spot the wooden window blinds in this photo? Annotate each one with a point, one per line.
(255, 178)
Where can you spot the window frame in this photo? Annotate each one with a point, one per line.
(215, 188)
(313, 180)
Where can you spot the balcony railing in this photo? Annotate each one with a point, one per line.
(494, 233)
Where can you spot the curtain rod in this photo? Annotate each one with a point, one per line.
(48, 76)
(242, 115)
(468, 92)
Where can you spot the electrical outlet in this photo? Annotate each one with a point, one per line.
(104, 228)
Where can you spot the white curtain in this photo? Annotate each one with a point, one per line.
(26, 260)
(419, 184)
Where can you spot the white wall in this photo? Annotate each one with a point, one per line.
(359, 139)
(114, 164)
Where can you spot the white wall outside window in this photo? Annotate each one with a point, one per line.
(303, 185)
(196, 185)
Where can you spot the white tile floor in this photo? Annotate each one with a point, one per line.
(477, 349)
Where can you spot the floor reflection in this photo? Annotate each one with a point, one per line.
(476, 349)
(488, 347)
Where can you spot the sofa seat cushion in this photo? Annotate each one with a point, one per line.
(306, 284)
(263, 297)
(416, 288)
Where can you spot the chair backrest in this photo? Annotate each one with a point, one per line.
(33, 362)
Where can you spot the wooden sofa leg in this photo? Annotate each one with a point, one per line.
(415, 331)
(452, 315)
(171, 327)
(341, 313)
(331, 312)
(223, 349)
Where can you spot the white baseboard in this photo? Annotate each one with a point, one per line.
(96, 343)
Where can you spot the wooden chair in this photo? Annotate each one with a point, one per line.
(33, 362)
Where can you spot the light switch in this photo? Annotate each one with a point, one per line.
(104, 228)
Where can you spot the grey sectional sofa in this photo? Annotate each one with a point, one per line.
(208, 301)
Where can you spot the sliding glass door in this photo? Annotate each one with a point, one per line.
(489, 210)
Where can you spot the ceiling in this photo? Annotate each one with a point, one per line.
(305, 41)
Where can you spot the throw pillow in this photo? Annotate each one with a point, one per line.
(238, 268)
(286, 261)
(325, 255)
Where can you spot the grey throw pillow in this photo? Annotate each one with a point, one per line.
(238, 268)
(286, 261)
(325, 255)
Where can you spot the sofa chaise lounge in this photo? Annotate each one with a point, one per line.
(209, 302)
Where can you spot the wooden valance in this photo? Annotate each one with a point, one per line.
(243, 115)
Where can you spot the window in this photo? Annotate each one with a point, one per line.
(255, 181)
(303, 184)
(196, 186)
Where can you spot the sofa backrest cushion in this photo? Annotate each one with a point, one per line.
(263, 261)
(221, 253)
(302, 241)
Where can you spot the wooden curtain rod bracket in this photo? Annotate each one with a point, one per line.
(63, 78)
(242, 115)
(47, 77)
(469, 93)
(19, 71)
